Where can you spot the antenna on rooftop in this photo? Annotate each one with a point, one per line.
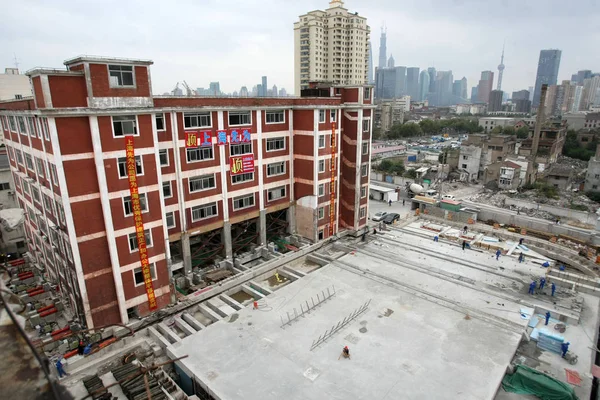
(16, 61)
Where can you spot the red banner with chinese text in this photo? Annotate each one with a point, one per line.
(241, 165)
(139, 223)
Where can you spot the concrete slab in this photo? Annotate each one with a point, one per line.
(209, 313)
(184, 326)
(193, 322)
(167, 332)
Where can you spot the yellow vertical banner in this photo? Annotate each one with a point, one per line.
(332, 186)
(137, 218)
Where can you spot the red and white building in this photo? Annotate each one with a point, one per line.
(67, 153)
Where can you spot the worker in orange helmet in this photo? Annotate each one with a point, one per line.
(345, 352)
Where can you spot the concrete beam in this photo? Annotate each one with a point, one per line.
(181, 324)
(209, 313)
(154, 334)
(231, 302)
(291, 270)
(262, 228)
(217, 309)
(287, 274)
(168, 333)
(193, 322)
(256, 286)
(255, 294)
(226, 240)
(186, 251)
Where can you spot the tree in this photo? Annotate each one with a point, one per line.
(430, 126)
(385, 165)
(377, 134)
(523, 132)
(404, 130)
(411, 173)
(497, 130)
(508, 130)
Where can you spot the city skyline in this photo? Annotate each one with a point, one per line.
(253, 50)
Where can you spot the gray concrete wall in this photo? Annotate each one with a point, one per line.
(401, 181)
(592, 178)
(582, 216)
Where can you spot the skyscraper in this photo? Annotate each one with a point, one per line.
(264, 87)
(259, 90)
(423, 85)
(463, 92)
(486, 83)
(474, 97)
(580, 76)
(347, 67)
(382, 48)
(371, 74)
(547, 72)
(412, 83)
(501, 70)
(390, 83)
(459, 89)
(495, 100)
(215, 88)
(274, 91)
(244, 91)
(442, 92)
(391, 62)
(432, 75)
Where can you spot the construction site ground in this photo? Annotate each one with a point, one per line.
(442, 323)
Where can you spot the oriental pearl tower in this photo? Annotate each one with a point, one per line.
(501, 70)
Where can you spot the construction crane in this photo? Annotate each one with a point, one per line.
(189, 91)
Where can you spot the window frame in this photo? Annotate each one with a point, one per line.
(239, 114)
(283, 169)
(237, 145)
(363, 212)
(204, 206)
(275, 140)
(153, 275)
(170, 189)
(332, 115)
(54, 174)
(160, 116)
(365, 148)
(35, 192)
(125, 161)
(363, 189)
(244, 175)
(39, 166)
(126, 199)
(324, 142)
(322, 116)
(149, 230)
(12, 121)
(368, 122)
(29, 160)
(172, 213)
(272, 190)
(166, 153)
(200, 150)
(321, 162)
(320, 213)
(364, 170)
(135, 127)
(274, 112)
(245, 196)
(120, 71)
(201, 177)
(321, 190)
(22, 125)
(198, 115)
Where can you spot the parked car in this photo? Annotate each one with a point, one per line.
(379, 216)
(391, 218)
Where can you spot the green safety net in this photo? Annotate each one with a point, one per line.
(526, 380)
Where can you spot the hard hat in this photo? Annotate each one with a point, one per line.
(346, 347)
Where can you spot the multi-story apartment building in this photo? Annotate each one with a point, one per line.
(205, 179)
(331, 46)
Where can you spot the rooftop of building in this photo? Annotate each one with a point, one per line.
(511, 164)
(559, 170)
(106, 60)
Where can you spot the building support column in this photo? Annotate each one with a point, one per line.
(186, 252)
(262, 228)
(291, 219)
(226, 240)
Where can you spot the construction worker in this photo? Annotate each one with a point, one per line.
(532, 286)
(547, 317)
(546, 264)
(390, 202)
(465, 229)
(464, 244)
(80, 347)
(562, 267)
(521, 241)
(436, 238)
(498, 252)
(345, 353)
(403, 201)
(364, 236)
(521, 258)
(59, 368)
(553, 288)
(565, 348)
(542, 283)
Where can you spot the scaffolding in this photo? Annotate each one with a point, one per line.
(206, 248)
(277, 228)
(244, 235)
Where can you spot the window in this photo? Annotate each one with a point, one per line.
(243, 202)
(276, 144)
(120, 75)
(35, 193)
(31, 126)
(129, 208)
(321, 165)
(242, 178)
(138, 274)
(160, 122)
(333, 114)
(19, 156)
(465, 157)
(197, 120)
(25, 186)
(54, 174)
(133, 243)
(239, 118)
(367, 93)
(321, 116)
(122, 164)
(163, 155)
(363, 192)
(202, 183)
(321, 212)
(204, 211)
(48, 203)
(277, 168)
(124, 125)
(22, 127)
(29, 161)
(167, 192)
(13, 123)
(363, 212)
(275, 117)
(5, 186)
(321, 234)
(40, 166)
(321, 141)
(365, 148)
(170, 217)
(464, 166)
(366, 124)
(199, 154)
(276, 193)
(44, 128)
(321, 188)
(239, 149)
(364, 170)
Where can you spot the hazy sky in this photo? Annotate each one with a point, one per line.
(237, 41)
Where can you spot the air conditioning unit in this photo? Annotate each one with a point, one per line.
(11, 192)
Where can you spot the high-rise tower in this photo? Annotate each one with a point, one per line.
(547, 72)
(500, 70)
(382, 48)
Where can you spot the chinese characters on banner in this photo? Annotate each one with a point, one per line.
(233, 136)
(198, 139)
(241, 165)
(332, 187)
(139, 223)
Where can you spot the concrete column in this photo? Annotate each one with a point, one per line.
(291, 219)
(186, 251)
(226, 240)
(262, 237)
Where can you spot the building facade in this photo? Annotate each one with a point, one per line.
(14, 85)
(331, 46)
(206, 178)
(547, 72)
(486, 84)
(412, 82)
(495, 100)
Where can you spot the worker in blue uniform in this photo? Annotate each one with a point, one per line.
(532, 286)
(565, 348)
(553, 288)
(546, 264)
(498, 252)
(547, 317)
(542, 283)
(59, 368)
